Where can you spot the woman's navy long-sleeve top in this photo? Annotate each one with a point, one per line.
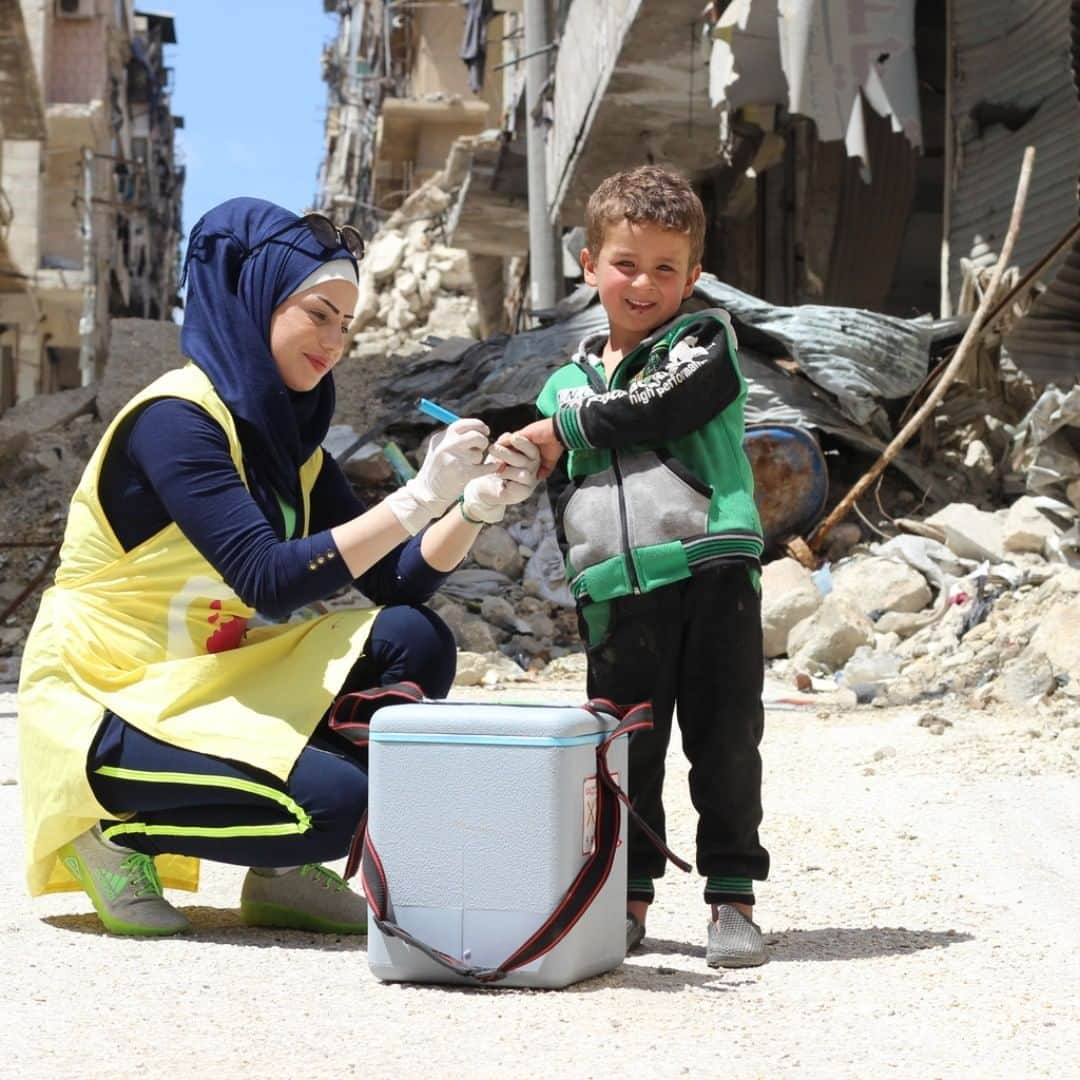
(170, 463)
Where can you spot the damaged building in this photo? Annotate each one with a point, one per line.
(89, 186)
(850, 154)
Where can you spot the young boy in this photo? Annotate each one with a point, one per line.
(663, 539)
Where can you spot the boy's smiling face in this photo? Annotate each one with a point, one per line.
(643, 275)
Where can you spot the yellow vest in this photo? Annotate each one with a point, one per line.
(155, 635)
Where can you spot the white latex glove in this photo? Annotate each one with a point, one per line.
(455, 456)
(487, 497)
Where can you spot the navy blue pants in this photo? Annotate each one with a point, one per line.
(186, 803)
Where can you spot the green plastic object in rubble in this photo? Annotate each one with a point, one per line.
(401, 465)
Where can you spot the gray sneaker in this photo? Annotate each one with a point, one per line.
(123, 885)
(734, 941)
(635, 933)
(310, 897)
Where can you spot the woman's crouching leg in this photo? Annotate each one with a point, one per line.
(406, 644)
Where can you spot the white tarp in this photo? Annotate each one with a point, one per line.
(820, 58)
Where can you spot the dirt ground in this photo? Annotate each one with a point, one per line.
(921, 914)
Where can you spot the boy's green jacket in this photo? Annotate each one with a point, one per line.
(660, 486)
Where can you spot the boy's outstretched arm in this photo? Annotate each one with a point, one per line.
(541, 433)
(699, 380)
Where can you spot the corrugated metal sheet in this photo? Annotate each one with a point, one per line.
(852, 360)
(1018, 57)
(1046, 344)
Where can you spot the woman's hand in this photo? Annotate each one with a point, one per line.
(487, 497)
(455, 457)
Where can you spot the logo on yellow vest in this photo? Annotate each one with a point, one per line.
(205, 616)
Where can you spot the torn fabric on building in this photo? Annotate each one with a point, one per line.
(820, 60)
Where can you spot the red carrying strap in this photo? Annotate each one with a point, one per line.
(577, 899)
(350, 717)
(634, 718)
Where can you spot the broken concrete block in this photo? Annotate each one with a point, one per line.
(368, 465)
(367, 303)
(498, 611)
(405, 283)
(1026, 528)
(788, 595)
(970, 532)
(496, 549)
(450, 317)
(828, 638)
(1027, 678)
(40, 414)
(1056, 638)
(878, 585)
(476, 635)
(470, 669)
(384, 256)
(571, 666)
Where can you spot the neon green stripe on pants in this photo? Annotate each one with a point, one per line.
(300, 824)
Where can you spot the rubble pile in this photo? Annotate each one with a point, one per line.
(412, 287)
(979, 605)
(508, 607)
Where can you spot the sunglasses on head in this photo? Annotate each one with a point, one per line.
(326, 232)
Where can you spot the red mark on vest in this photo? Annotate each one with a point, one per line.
(228, 635)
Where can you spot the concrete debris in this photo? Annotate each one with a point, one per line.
(877, 585)
(1026, 528)
(788, 596)
(826, 640)
(970, 532)
(914, 619)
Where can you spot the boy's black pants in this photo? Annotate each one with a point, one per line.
(695, 647)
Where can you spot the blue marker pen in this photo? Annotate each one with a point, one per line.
(437, 412)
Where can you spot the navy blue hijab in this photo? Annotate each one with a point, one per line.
(226, 332)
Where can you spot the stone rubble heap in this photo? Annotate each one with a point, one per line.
(412, 287)
(981, 604)
(508, 607)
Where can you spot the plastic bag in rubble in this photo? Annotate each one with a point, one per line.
(474, 584)
(530, 531)
(546, 569)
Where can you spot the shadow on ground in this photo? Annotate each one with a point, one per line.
(830, 943)
(223, 926)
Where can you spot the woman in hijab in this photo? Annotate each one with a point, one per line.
(158, 724)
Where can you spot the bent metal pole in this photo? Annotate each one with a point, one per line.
(971, 336)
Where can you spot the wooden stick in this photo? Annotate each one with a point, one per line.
(971, 336)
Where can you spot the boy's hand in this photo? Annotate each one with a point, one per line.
(541, 434)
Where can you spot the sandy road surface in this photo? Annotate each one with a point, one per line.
(923, 914)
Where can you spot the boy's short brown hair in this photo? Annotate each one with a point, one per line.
(651, 194)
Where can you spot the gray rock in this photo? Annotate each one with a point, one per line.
(876, 585)
(1028, 678)
(500, 612)
(496, 549)
(1026, 529)
(827, 639)
(970, 532)
(1058, 640)
(788, 596)
(841, 540)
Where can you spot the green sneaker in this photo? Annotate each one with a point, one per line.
(310, 897)
(123, 885)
